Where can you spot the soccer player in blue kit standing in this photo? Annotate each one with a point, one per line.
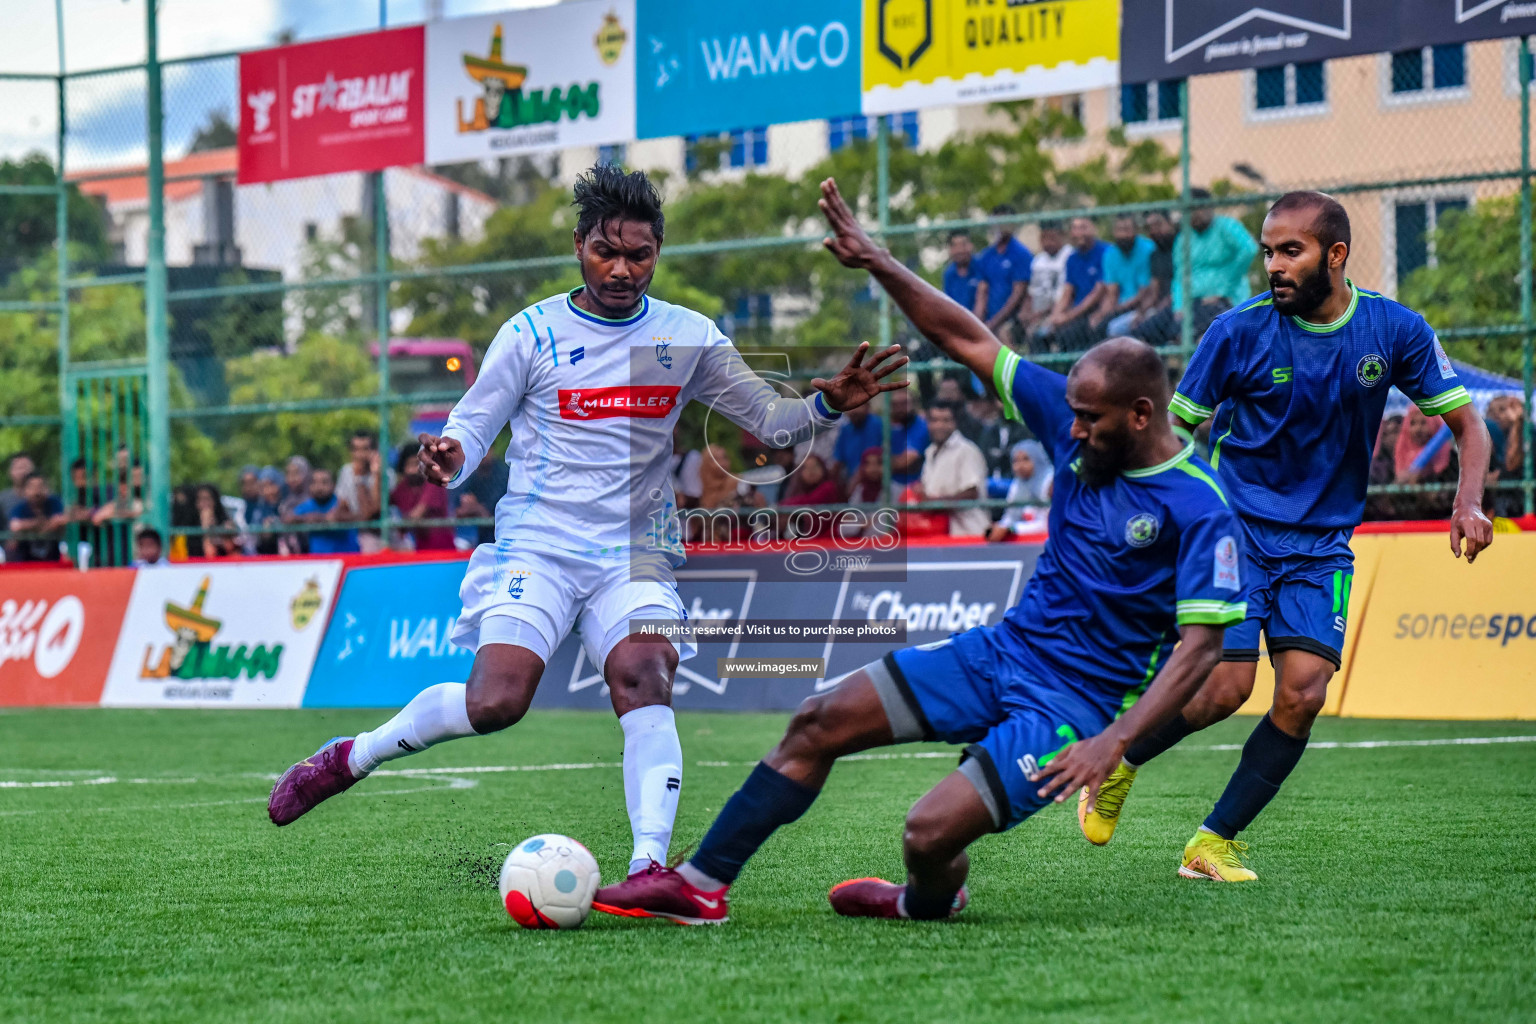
(1295, 382)
(1143, 553)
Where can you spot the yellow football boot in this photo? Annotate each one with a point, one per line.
(1215, 859)
(1099, 824)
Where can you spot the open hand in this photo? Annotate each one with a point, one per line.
(857, 382)
(848, 242)
(1085, 763)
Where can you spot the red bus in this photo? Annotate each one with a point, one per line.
(429, 366)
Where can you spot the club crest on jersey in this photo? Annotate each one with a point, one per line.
(1371, 369)
(516, 579)
(1141, 530)
(1226, 577)
(662, 355)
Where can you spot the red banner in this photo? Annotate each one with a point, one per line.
(642, 401)
(58, 629)
(348, 104)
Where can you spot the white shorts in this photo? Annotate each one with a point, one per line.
(533, 599)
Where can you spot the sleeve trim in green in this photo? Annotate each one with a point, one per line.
(1444, 402)
(1188, 410)
(1217, 614)
(1002, 379)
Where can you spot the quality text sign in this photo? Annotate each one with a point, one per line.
(347, 104)
(528, 80)
(703, 66)
(924, 53)
(222, 635)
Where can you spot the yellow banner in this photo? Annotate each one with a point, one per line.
(920, 53)
(1444, 639)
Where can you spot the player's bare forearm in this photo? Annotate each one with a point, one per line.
(1090, 761)
(1467, 519)
(953, 328)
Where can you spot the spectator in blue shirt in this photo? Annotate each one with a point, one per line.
(39, 517)
(909, 439)
(1078, 321)
(323, 506)
(961, 278)
(1004, 269)
(1127, 275)
(861, 430)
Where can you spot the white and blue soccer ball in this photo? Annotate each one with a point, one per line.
(548, 881)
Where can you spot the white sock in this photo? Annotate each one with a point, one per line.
(698, 879)
(435, 714)
(653, 775)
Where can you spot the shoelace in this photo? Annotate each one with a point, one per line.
(1230, 852)
(1112, 798)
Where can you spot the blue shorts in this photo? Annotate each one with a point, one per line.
(1298, 591)
(974, 688)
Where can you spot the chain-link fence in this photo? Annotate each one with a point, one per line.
(324, 322)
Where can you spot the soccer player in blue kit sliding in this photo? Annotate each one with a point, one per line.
(1143, 553)
(1295, 382)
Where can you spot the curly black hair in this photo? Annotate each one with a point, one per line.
(606, 193)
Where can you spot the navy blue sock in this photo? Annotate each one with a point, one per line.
(1158, 740)
(764, 802)
(1268, 757)
(922, 905)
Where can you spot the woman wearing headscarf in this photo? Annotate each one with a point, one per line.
(1031, 488)
(1423, 455)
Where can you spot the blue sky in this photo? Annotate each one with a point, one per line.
(106, 114)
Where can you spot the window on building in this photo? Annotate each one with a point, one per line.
(614, 154)
(754, 310)
(1151, 101)
(1429, 69)
(1416, 223)
(744, 147)
(1292, 87)
(844, 131)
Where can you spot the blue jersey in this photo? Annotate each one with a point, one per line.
(1126, 564)
(1297, 406)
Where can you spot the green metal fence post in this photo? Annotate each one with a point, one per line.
(68, 449)
(157, 483)
(1186, 300)
(1525, 263)
(381, 316)
(883, 213)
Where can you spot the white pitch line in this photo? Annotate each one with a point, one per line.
(909, 755)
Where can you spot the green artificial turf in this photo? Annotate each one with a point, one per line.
(1396, 883)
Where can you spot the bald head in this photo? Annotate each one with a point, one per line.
(1129, 369)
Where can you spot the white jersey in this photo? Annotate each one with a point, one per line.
(1047, 277)
(592, 403)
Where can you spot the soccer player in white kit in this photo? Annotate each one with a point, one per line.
(587, 535)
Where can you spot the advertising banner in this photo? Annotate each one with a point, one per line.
(926, 53)
(57, 630)
(388, 638)
(241, 634)
(1444, 639)
(528, 80)
(705, 66)
(347, 104)
(1164, 39)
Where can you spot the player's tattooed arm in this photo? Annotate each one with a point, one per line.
(942, 320)
(1089, 762)
(1467, 519)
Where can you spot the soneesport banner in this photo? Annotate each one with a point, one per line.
(1443, 639)
(521, 81)
(927, 53)
(239, 634)
(347, 104)
(57, 631)
(705, 66)
(1162, 39)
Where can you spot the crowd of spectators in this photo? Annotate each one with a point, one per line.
(1078, 289)
(1416, 449)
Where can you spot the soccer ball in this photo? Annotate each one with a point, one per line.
(548, 882)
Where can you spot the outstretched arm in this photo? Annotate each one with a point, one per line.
(953, 328)
(1467, 519)
(1089, 762)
